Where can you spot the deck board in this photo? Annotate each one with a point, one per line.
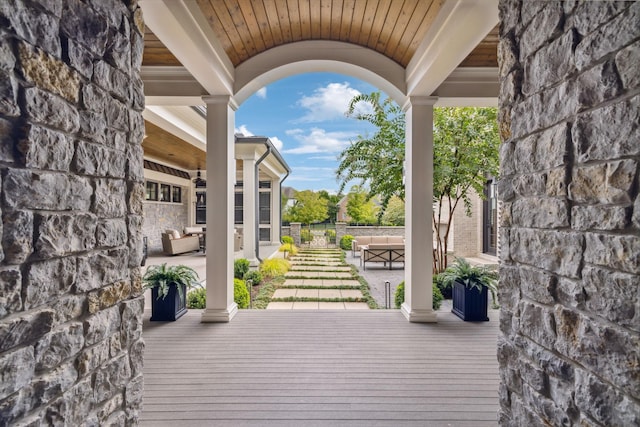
(320, 368)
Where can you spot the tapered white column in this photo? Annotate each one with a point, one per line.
(249, 210)
(220, 191)
(418, 274)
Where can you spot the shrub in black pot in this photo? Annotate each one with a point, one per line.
(470, 285)
(168, 290)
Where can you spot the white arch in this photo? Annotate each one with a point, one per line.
(320, 55)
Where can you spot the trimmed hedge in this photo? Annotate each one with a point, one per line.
(240, 293)
(240, 268)
(345, 242)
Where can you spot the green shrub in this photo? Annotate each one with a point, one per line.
(345, 242)
(197, 298)
(240, 293)
(331, 234)
(240, 268)
(287, 239)
(445, 288)
(274, 267)
(399, 296)
(254, 275)
(437, 296)
(289, 248)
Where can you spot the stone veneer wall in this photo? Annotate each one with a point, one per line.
(71, 176)
(159, 217)
(569, 351)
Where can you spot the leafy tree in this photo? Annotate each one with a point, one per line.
(332, 204)
(465, 153)
(394, 213)
(359, 207)
(376, 160)
(308, 208)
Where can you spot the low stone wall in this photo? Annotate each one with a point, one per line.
(71, 127)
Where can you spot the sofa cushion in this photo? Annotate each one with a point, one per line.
(378, 239)
(190, 230)
(395, 239)
(174, 234)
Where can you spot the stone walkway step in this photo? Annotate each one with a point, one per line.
(317, 293)
(317, 275)
(298, 267)
(321, 283)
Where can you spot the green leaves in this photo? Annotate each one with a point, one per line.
(310, 207)
(162, 277)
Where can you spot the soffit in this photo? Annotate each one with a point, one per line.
(164, 146)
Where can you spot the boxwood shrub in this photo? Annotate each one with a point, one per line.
(345, 242)
(240, 268)
(437, 296)
(240, 293)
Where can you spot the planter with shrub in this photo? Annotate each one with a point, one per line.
(470, 287)
(168, 290)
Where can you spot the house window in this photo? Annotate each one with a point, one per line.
(264, 184)
(165, 193)
(265, 234)
(151, 191)
(176, 195)
(265, 207)
(201, 207)
(238, 215)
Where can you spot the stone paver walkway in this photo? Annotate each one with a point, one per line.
(318, 280)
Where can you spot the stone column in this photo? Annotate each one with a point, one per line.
(570, 227)
(341, 230)
(71, 297)
(295, 232)
(220, 197)
(276, 214)
(249, 219)
(418, 274)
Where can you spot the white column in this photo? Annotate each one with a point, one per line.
(275, 211)
(418, 273)
(249, 210)
(220, 179)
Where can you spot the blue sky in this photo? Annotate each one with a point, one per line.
(304, 117)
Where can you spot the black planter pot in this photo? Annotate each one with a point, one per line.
(470, 304)
(170, 308)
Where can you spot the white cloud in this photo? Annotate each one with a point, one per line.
(262, 93)
(276, 142)
(327, 103)
(243, 130)
(319, 141)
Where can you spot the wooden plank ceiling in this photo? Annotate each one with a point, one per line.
(394, 28)
(164, 146)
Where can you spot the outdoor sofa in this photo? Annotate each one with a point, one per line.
(173, 243)
(360, 241)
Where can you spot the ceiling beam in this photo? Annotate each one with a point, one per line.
(456, 31)
(180, 26)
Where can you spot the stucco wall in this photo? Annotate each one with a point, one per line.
(569, 350)
(71, 165)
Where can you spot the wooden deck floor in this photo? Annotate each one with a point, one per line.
(320, 368)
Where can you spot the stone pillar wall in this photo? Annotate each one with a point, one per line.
(569, 350)
(341, 231)
(294, 230)
(71, 166)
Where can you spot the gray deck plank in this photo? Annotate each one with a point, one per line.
(320, 368)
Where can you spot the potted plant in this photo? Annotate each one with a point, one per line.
(470, 285)
(168, 290)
